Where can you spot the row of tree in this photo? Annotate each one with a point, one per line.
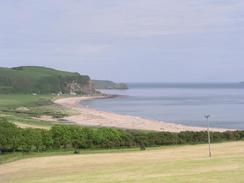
(13, 138)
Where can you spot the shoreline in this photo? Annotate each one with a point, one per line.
(93, 117)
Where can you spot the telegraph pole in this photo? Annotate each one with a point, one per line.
(209, 140)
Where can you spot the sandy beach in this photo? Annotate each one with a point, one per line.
(93, 117)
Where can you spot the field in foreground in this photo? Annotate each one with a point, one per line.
(170, 164)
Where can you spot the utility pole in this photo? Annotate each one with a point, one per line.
(209, 140)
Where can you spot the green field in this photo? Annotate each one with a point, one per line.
(23, 110)
(169, 164)
(18, 100)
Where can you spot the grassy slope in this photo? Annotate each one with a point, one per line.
(171, 164)
(18, 100)
(32, 71)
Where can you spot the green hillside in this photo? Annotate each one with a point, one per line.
(41, 80)
(104, 84)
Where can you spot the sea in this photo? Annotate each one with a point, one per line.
(183, 103)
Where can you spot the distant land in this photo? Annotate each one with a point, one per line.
(105, 84)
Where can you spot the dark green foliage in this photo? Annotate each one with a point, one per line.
(76, 137)
(107, 137)
(9, 136)
(61, 136)
(39, 80)
(47, 140)
(31, 139)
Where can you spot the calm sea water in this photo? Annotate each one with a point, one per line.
(180, 103)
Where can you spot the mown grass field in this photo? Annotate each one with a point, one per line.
(169, 164)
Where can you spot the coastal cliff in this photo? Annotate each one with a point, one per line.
(43, 80)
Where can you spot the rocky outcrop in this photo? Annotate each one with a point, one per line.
(89, 89)
(75, 88)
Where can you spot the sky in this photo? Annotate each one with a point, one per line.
(127, 40)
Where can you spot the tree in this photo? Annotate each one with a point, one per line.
(47, 140)
(31, 138)
(61, 136)
(9, 136)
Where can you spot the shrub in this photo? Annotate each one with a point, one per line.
(77, 137)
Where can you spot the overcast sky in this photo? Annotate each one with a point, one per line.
(127, 40)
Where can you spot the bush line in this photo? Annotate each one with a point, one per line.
(59, 137)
